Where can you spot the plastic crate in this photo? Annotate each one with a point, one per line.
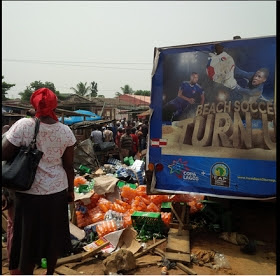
(148, 221)
(165, 207)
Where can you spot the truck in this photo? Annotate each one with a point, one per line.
(212, 125)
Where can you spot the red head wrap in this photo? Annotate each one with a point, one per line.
(44, 101)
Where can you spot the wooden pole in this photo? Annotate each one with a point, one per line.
(182, 220)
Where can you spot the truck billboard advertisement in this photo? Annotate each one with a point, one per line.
(213, 119)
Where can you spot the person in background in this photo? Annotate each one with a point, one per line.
(114, 129)
(118, 136)
(133, 124)
(96, 136)
(144, 128)
(126, 144)
(30, 113)
(128, 124)
(41, 224)
(138, 122)
(103, 128)
(135, 142)
(139, 134)
(121, 123)
(108, 135)
(124, 123)
(118, 124)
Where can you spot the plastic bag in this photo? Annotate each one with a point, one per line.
(220, 261)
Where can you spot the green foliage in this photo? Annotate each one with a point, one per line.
(5, 88)
(142, 92)
(62, 97)
(81, 88)
(93, 89)
(35, 85)
(100, 96)
(127, 89)
(26, 94)
(38, 84)
(117, 94)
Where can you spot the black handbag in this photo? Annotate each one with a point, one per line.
(19, 173)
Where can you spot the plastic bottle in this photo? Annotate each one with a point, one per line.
(220, 261)
(141, 190)
(96, 214)
(105, 227)
(80, 219)
(44, 263)
(125, 205)
(166, 218)
(118, 208)
(128, 193)
(152, 207)
(84, 169)
(127, 218)
(78, 180)
(100, 230)
(104, 204)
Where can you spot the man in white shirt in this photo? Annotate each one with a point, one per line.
(220, 67)
(96, 135)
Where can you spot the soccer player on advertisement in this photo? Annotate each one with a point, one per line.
(190, 92)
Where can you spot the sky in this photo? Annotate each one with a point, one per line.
(112, 42)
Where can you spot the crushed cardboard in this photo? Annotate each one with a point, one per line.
(105, 184)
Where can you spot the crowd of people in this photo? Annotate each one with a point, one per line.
(130, 137)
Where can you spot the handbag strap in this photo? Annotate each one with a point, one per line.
(37, 125)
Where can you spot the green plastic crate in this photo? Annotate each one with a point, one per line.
(165, 207)
(148, 221)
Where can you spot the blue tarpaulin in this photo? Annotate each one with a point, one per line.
(89, 116)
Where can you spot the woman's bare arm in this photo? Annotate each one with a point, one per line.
(9, 150)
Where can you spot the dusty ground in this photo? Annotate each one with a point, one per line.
(255, 219)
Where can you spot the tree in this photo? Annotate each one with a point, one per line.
(81, 89)
(100, 96)
(117, 94)
(127, 89)
(142, 92)
(38, 84)
(5, 88)
(93, 89)
(26, 94)
(35, 85)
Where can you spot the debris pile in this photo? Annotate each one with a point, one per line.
(111, 201)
